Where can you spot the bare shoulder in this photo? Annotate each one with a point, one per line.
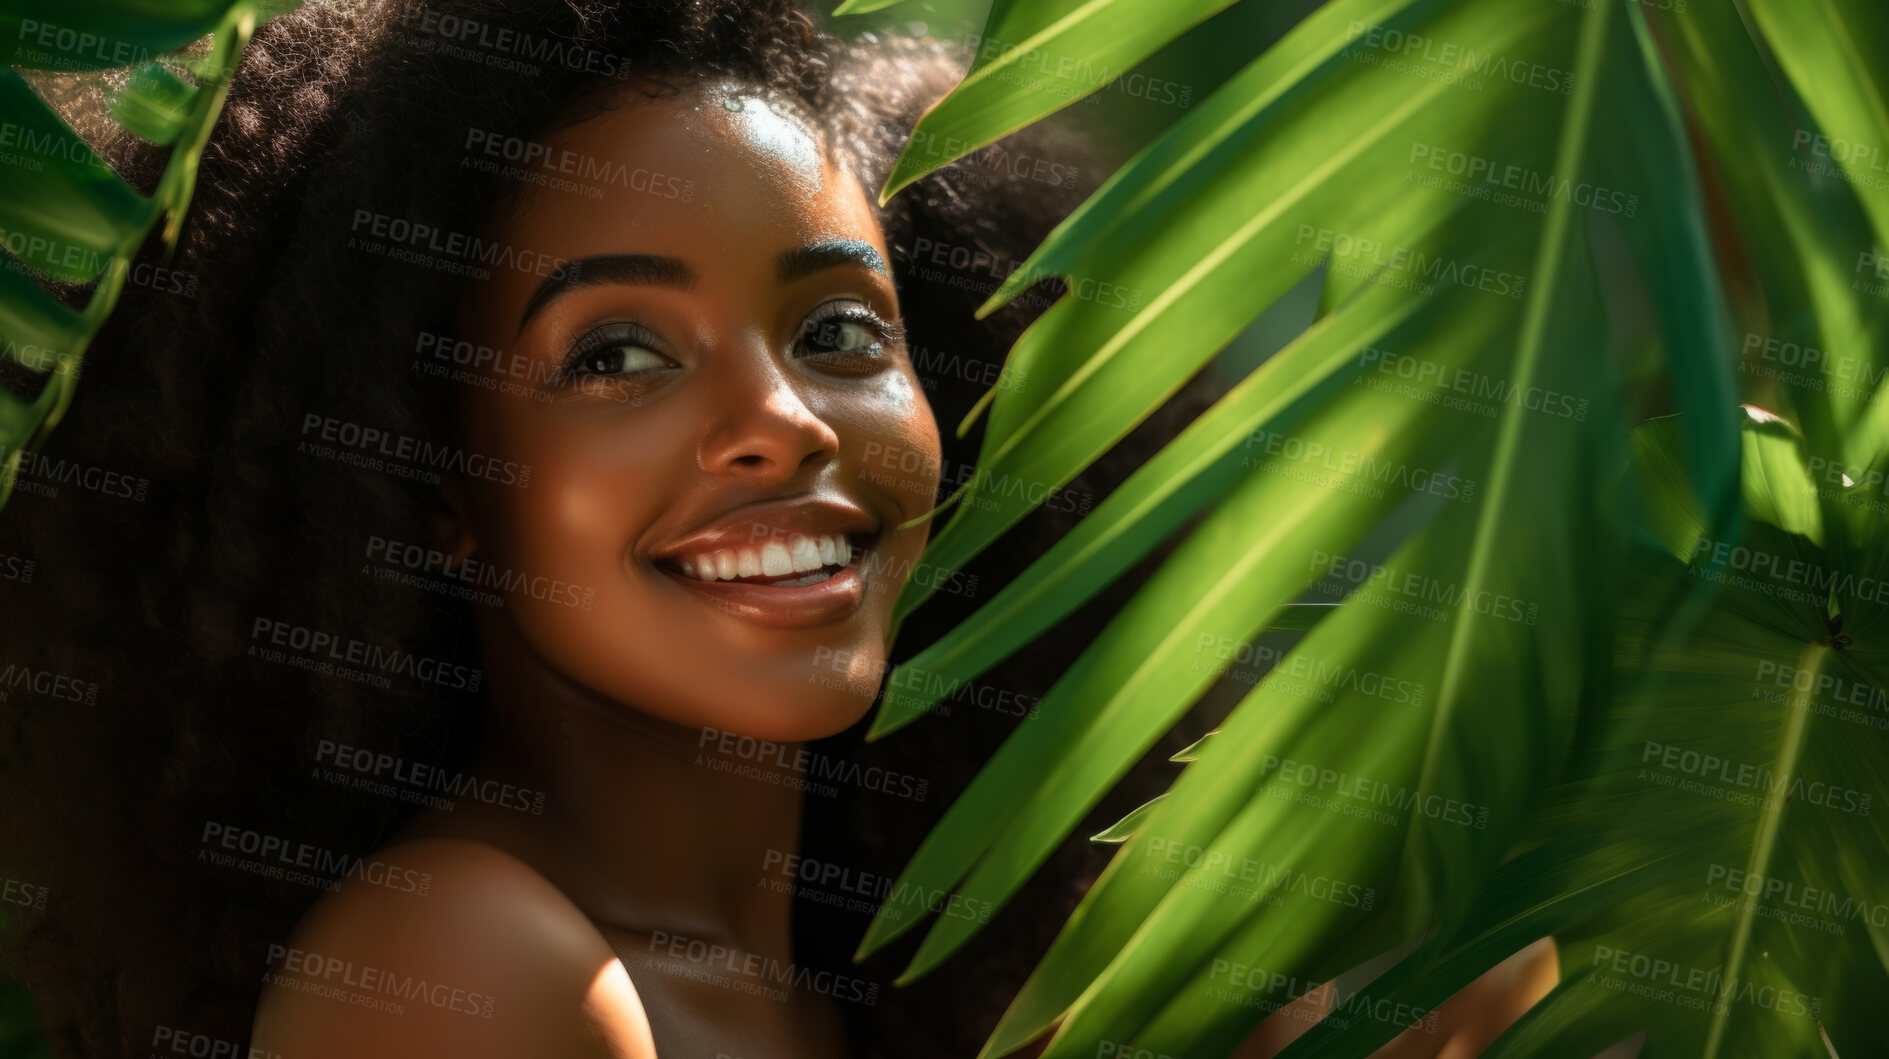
(447, 946)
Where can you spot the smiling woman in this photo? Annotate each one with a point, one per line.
(715, 370)
(534, 471)
(720, 368)
(521, 509)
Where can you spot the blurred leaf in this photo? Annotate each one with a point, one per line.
(1824, 46)
(1777, 489)
(1196, 468)
(1802, 237)
(1116, 700)
(1155, 297)
(37, 328)
(1034, 58)
(75, 35)
(1669, 514)
(155, 103)
(68, 214)
(1547, 649)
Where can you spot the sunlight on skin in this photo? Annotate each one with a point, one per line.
(677, 399)
(613, 1006)
(1466, 1023)
(774, 132)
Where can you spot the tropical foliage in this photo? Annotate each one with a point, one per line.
(65, 216)
(67, 219)
(1606, 661)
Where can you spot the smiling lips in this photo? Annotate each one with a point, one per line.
(798, 560)
(786, 564)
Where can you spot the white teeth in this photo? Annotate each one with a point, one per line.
(804, 554)
(798, 555)
(774, 559)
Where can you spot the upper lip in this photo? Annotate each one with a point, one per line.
(754, 524)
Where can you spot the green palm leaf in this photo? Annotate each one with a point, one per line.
(1800, 233)
(69, 217)
(155, 104)
(1760, 924)
(76, 35)
(1156, 298)
(1197, 468)
(1822, 46)
(1100, 718)
(1034, 58)
(1315, 132)
(74, 213)
(1565, 435)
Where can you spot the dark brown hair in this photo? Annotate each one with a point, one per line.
(177, 506)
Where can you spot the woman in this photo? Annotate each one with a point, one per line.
(712, 373)
(528, 467)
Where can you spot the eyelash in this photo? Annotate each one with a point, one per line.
(615, 336)
(604, 340)
(886, 332)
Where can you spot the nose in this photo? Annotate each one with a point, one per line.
(759, 426)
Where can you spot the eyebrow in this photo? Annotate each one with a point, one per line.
(648, 270)
(804, 261)
(652, 270)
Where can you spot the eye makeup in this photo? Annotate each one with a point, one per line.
(595, 347)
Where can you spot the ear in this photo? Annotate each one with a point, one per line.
(451, 519)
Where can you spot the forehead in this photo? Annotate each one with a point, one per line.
(707, 169)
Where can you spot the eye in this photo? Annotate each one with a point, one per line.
(614, 351)
(846, 338)
(620, 360)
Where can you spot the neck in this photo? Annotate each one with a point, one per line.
(640, 826)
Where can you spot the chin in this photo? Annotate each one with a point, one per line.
(806, 693)
(803, 718)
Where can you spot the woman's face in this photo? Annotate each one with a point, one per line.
(714, 405)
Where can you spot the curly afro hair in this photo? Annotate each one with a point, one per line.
(176, 508)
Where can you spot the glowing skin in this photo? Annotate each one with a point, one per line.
(695, 415)
(723, 414)
(722, 368)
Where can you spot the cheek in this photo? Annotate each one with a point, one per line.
(894, 444)
(558, 546)
(588, 610)
(592, 483)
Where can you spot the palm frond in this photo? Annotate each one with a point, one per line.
(69, 217)
(1552, 609)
